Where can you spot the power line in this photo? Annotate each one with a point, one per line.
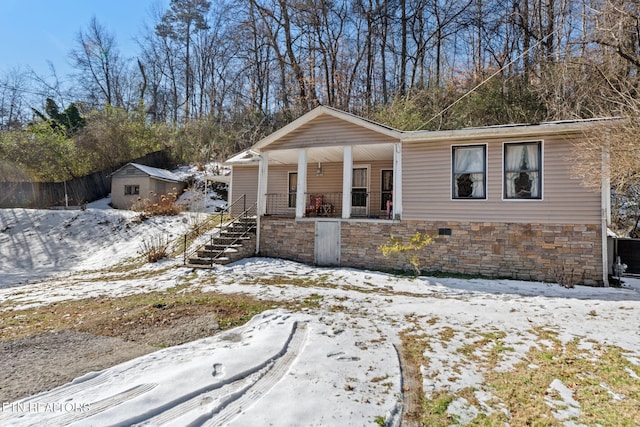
(485, 81)
(17, 89)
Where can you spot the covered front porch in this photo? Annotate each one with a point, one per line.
(349, 181)
(374, 205)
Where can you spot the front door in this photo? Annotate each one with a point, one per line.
(360, 192)
(293, 189)
(386, 192)
(327, 243)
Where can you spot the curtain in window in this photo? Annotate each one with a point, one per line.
(293, 188)
(522, 170)
(360, 177)
(469, 160)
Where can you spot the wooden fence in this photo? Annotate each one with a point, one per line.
(73, 192)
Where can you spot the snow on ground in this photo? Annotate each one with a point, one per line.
(41, 243)
(200, 197)
(336, 365)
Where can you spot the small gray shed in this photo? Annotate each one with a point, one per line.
(134, 182)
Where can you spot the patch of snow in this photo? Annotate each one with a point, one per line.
(342, 370)
(463, 411)
(566, 407)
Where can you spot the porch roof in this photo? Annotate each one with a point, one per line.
(361, 153)
(328, 111)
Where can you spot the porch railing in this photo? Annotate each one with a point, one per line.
(328, 204)
(281, 204)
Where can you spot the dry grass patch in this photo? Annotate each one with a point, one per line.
(298, 281)
(602, 383)
(602, 380)
(446, 334)
(132, 317)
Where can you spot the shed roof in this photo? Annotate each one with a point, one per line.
(161, 174)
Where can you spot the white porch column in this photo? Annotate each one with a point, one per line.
(397, 181)
(261, 196)
(605, 201)
(347, 180)
(302, 182)
(263, 175)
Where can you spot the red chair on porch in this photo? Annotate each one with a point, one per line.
(315, 204)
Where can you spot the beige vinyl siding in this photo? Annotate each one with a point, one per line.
(329, 131)
(278, 184)
(244, 182)
(329, 184)
(278, 189)
(427, 187)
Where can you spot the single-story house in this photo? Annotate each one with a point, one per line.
(134, 182)
(330, 188)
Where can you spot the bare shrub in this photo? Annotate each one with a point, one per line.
(155, 248)
(164, 205)
(565, 276)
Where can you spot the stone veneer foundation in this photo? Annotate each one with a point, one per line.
(541, 252)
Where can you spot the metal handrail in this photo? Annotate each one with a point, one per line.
(245, 232)
(230, 220)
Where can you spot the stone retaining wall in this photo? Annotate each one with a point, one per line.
(545, 252)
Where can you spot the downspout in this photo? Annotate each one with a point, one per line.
(605, 207)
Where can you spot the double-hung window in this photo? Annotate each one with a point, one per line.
(469, 164)
(523, 170)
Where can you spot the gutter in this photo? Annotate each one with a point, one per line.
(501, 132)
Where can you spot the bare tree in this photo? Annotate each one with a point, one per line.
(100, 67)
(13, 87)
(184, 19)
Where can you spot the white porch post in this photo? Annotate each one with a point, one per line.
(605, 201)
(302, 182)
(397, 181)
(347, 180)
(263, 175)
(261, 197)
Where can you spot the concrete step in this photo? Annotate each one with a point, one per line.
(195, 261)
(240, 230)
(226, 240)
(216, 253)
(232, 233)
(199, 262)
(221, 246)
(234, 243)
